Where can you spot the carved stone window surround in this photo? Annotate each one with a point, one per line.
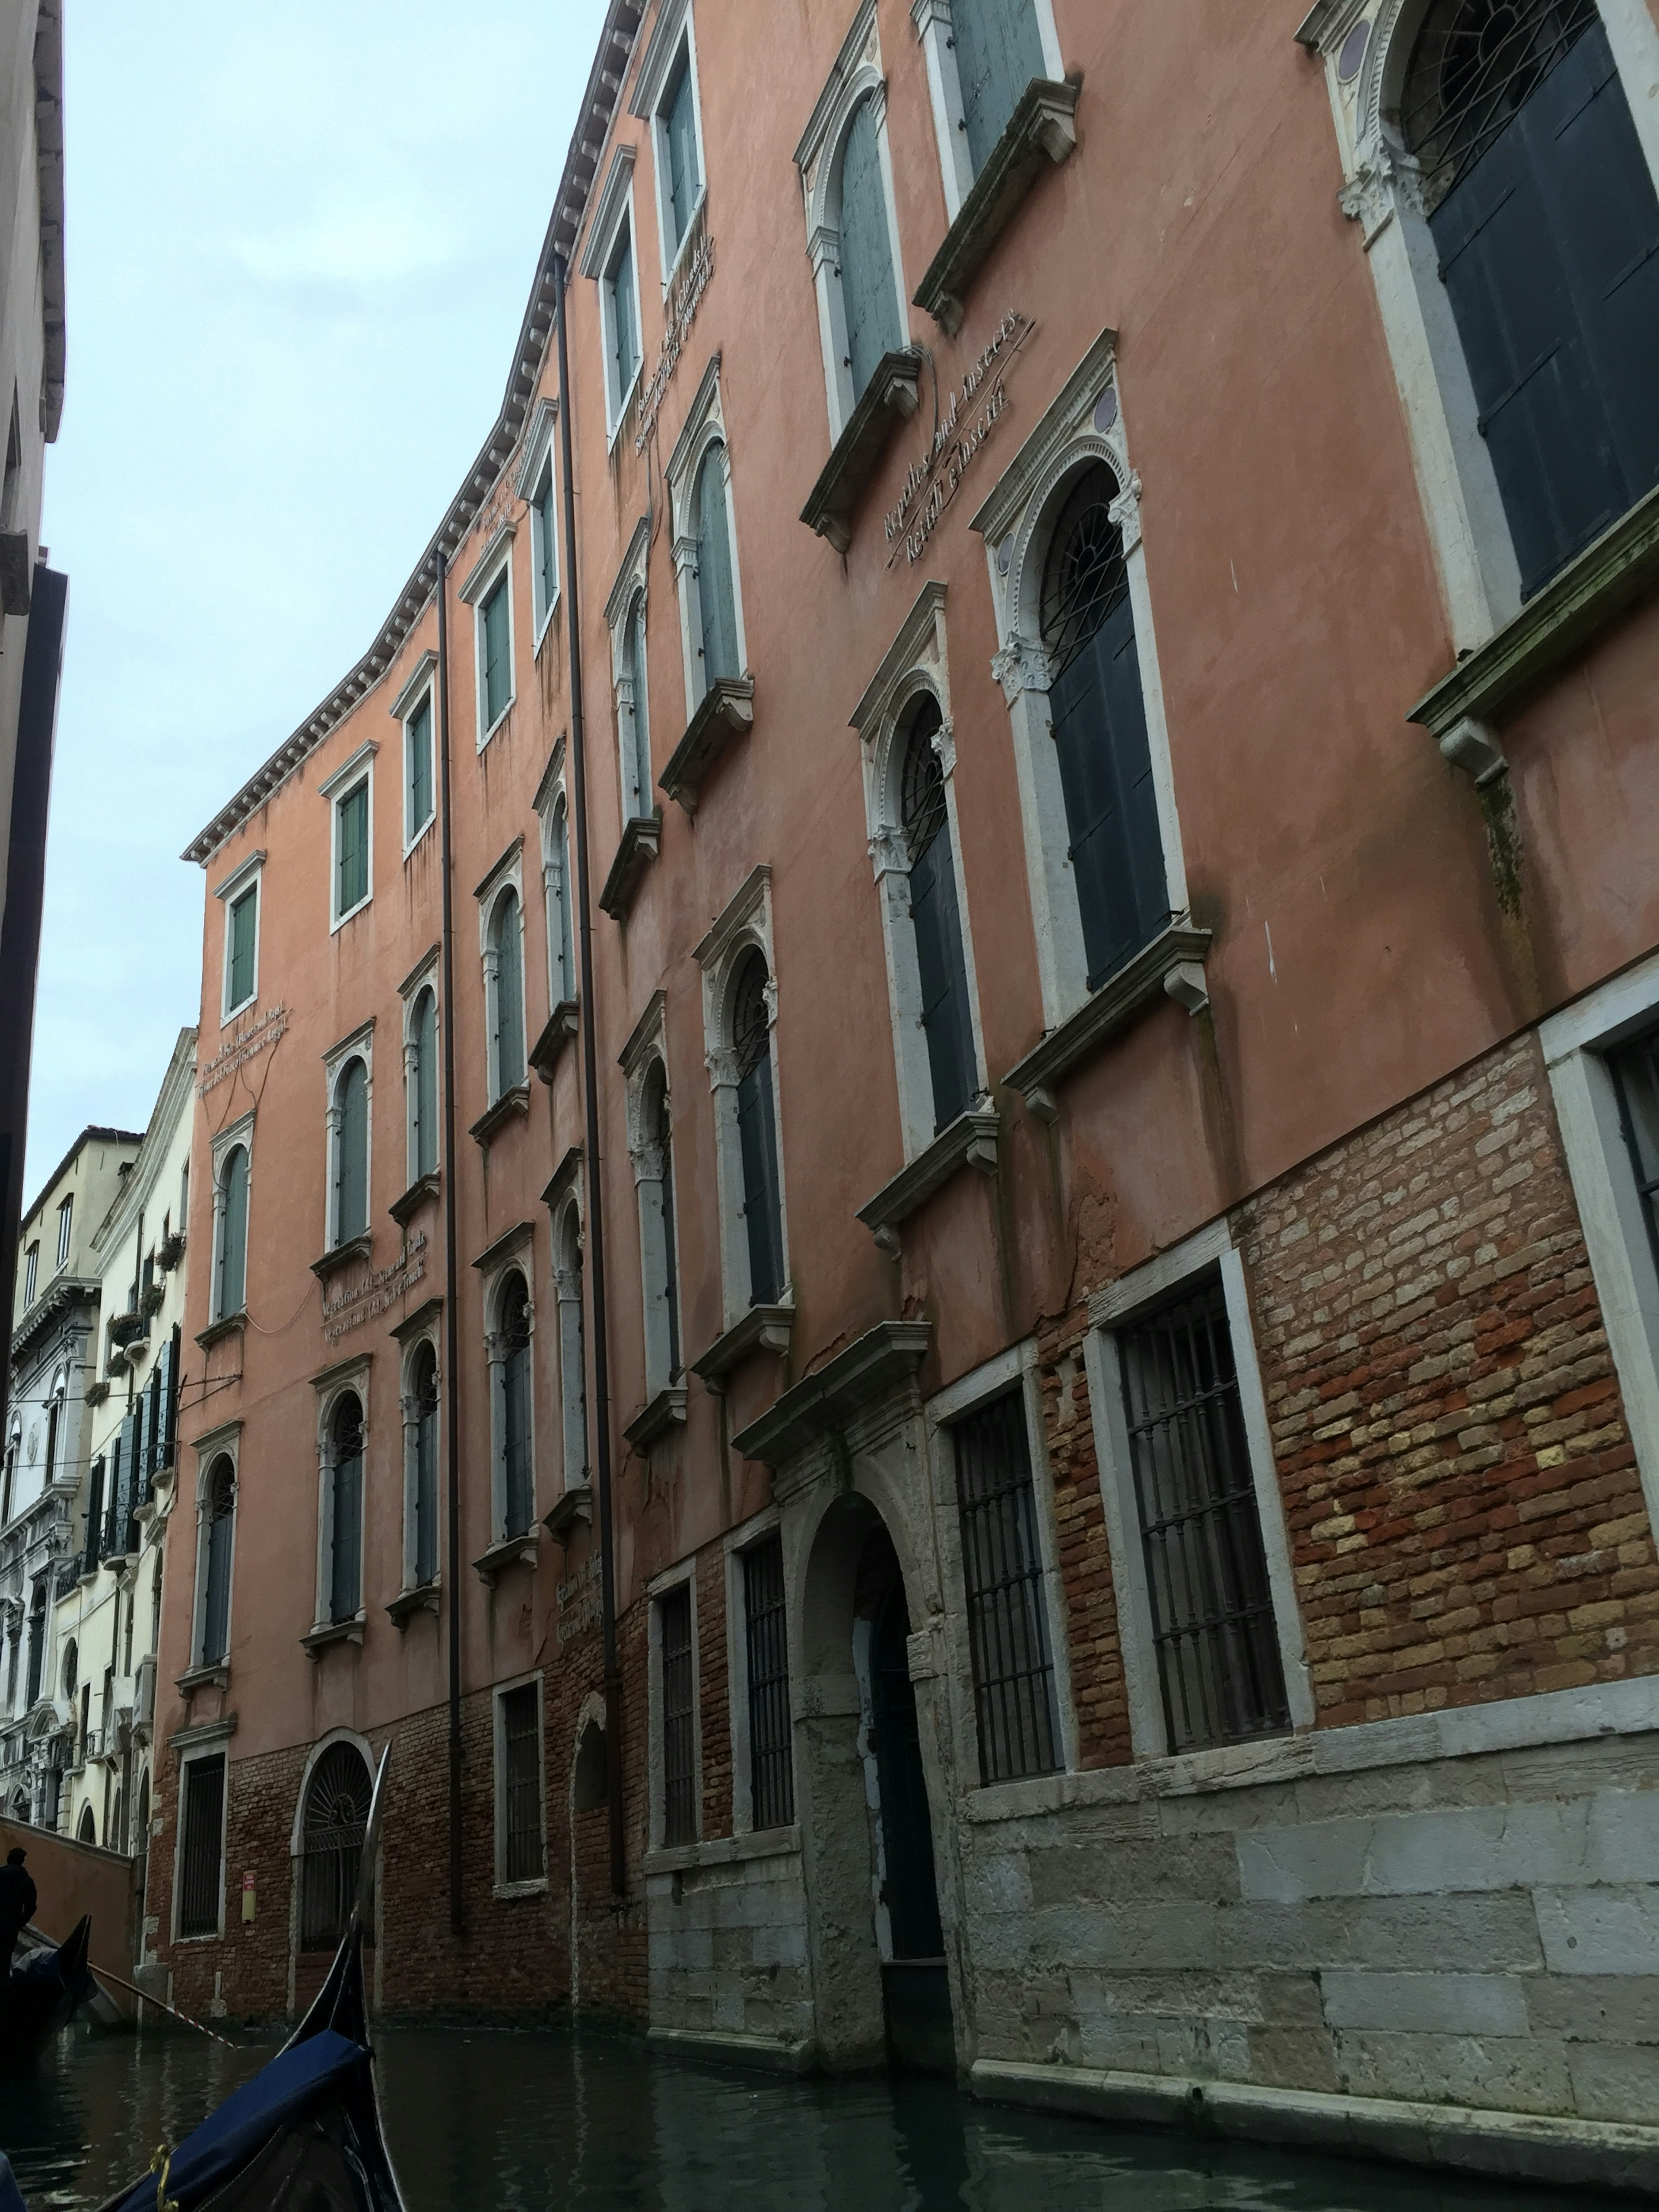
(892, 397)
(969, 1141)
(1042, 130)
(1172, 965)
(641, 841)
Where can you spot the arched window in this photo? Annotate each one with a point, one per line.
(423, 1392)
(37, 1641)
(71, 1672)
(505, 982)
(869, 296)
(715, 596)
(998, 50)
(655, 1170)
(573, 1370)
(757, 1132)
(1099, 721)
(87, 1830)
(1546, 226)
(936, 919)
(561, 979)
(633, 715)
(332, 1833)
(218, 1530)
(518, 1468)
(230, 1271)
(345, 1502)
(422, 1080)
(350, 1179)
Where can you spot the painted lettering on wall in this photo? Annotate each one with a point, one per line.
(241, 1047)
(375, 1293)
(975, 408)
(679, 311)
(579, 1602)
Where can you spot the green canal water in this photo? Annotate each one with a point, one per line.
(543, 2121)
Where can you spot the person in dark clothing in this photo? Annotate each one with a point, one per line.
(17, 1902)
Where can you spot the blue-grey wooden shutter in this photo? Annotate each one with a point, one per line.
(549, 545)
(351, 1155)
(567, 960)
(937, 920)
(684, 181)
(420, 766)
(1105, 766)
(498, 675)
(215, 1612)
(233, 1235)
(425, 1085)
(868, 295)
(714, 589)
(95, 1543)
(638, 764)
(625, 356)
(1549, 247)
(243, 916)
(126, 1486)
(113, 1498)
(998, 51)
(345, 1576)
(170, 1403)
(353, 855)
(762, 1212)
(509, 994)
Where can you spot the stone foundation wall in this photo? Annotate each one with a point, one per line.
(728, 1944)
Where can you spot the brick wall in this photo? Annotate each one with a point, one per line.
(1085, 1559)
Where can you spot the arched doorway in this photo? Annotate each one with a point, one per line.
(882, 1992)
(331, 1847)
(87, 1830)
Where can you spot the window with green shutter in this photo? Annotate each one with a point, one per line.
(231, 1288)
(869, 296)
(679, 131)
(547, 544)
(423, 1089)
(243, 925)
(621, 316)
(715, 585)
(998, 51)
(494, 639)
(351, 1152)
(418, 767)
(506, 941)
(352, 849)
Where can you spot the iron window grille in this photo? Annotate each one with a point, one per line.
(1219, 1662)
(679, 1747)
(1636, 1076)
(1475, 64)
(771, 1768)
(202, 1825)
(1002, 1573)
(335, 1823)
(521, 1785)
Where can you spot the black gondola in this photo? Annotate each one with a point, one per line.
(305, 2132)
(39, 1996)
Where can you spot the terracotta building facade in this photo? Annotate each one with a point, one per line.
(928, 1119)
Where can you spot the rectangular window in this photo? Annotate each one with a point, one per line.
(521, 1784)
(1636, 1075)
(418, 770)
(241, 932)
(201, 1826)
(544, 531)
(679, 1747)
(31, 1273)
(352, 849)
(621, 321)
(65, 1219)
(1219, 1662)
(1002, 1575)
(771, 1769)
(494, 644)
(678, 145)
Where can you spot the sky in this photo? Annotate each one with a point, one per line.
(300, 238)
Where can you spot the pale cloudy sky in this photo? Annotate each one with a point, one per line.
(300, 237)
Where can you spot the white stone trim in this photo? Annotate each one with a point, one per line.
(683, 1574)
(223, 1143)
(425, 979)
(630, 687)
(508, 875)
(359, 770)
(613, 212)
(744, 921)
(541, 462)
(360, 1045)
(219, 1747)
(351, 1376)
(552, 800)
(705, 425)
(514, 1255)
(492, 564)
(568, 1263)
(225, 1442)
(645, 1049)
(408, 1405)
(936, 32)
(537, 1885)
(1210, 1247)
(675, 32)
(250, 877)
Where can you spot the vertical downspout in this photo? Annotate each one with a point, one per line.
(452, 1317)
(595, 1208)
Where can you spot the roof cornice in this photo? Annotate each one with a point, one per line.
(594, 121)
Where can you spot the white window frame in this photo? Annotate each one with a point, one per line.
(246, 877)
(705, 425)
(421, 689)
(916, 666)
(217, 1748)
(995, 1377)
(360, 1045)
(339, 786)
(539, 467)
(631, 589)
(516, 1256)
(1083, 424)
(353, 1375)
(567, 1231)
(937, 34)
(507, 875)
(552, 797)
(745, 922)
(65, 1230)
(31, 1273)
(1118, 1306)
(408, 1407)
(1462, 507)
(224, 1142)
(613, 212)
(857, 76)
(648, 1048)
(1575, 1043)
(673, 34)
(411, 990)
(487, 571)
(537, 1887)
(767, 1522)
(684, 1572)
(225, 1442)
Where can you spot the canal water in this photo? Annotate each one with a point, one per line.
(540, 2121)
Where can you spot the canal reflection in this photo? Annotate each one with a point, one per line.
(542, 2121)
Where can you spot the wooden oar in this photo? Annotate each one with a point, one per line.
(105, 1975)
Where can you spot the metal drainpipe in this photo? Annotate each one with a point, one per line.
(595, 1209)
(452, 1317)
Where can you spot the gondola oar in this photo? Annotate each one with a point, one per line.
(104, 1974)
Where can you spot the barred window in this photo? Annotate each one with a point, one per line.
(679, 1747)
(771, 1770)
(1218, 1661)
(201, 1827)
(521, 1784)
(1636, 1073)
(1002, 1571)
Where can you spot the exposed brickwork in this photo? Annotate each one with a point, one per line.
(712, 1672)
(1466, 1517)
